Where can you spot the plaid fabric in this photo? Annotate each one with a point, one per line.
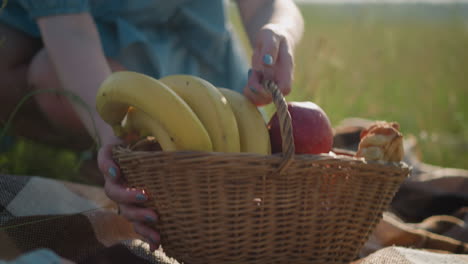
(79, 223)
(75, 221)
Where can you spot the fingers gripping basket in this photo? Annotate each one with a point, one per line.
(249, 208)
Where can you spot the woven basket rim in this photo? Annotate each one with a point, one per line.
(325, 157)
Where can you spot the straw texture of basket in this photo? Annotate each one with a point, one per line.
(250, 208)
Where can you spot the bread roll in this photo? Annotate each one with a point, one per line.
(382, 141)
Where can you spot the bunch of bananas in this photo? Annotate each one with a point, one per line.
(182, 112)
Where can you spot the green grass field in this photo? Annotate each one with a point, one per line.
(404, 64)
(408, 68)
(389, 62)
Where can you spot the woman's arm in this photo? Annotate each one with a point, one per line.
(74, 48)
(274, 29)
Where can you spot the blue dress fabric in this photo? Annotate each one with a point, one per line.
(154, 37)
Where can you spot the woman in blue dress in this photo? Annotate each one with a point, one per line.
(75, 44)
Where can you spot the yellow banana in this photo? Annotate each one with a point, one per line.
(253, 131)
(144, 125)
(211, 108)
(124, 89)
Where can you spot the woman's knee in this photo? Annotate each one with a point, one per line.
(41, 73)
(56, 107)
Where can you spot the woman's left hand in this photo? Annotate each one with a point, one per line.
(272, 59)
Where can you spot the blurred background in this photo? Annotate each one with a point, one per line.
(403, 61)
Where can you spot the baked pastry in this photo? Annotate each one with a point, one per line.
(381, 141)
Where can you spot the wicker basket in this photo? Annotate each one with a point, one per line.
(249, 208)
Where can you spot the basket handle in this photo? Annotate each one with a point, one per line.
(285, 123)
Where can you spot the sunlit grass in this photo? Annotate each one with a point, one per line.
(399, 63)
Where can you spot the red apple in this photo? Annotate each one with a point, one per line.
(312, 130)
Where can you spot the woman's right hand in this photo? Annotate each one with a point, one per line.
(129, 200)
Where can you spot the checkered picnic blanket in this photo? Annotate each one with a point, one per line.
(77, 222)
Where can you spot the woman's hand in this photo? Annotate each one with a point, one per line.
(272, 59)
(128, 199)
(274, 28)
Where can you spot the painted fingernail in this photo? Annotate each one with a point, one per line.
(249, 73)
(149, 219)
(253, 89)
(140, 197)
(112, 172)
(267, 59)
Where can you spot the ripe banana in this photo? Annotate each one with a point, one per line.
(144, 125)
(211, 108)
(254, 136)
(124, 89)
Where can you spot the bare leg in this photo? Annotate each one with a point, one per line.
(17, 52)
(53, 106)
(56, 107)
(48, 118)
